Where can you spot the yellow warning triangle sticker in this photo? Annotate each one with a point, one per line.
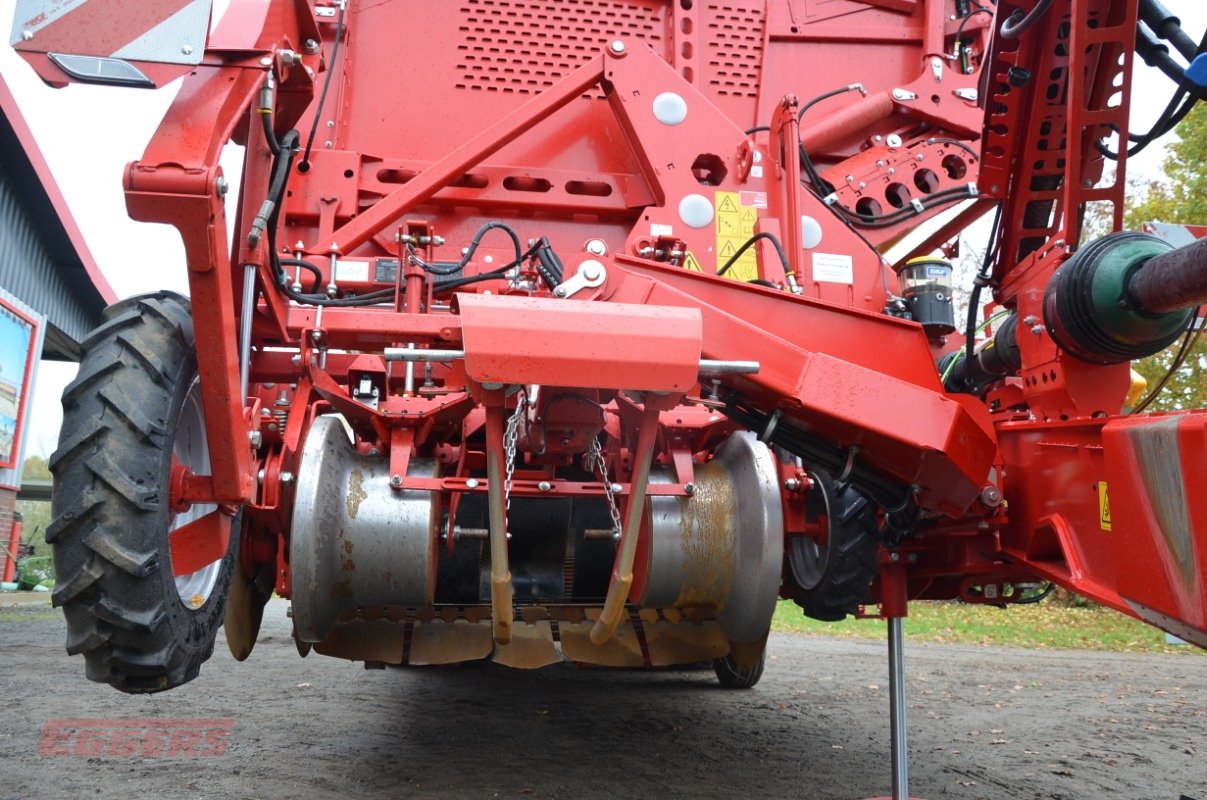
(727, 205)
(728, 250)
(691, 263)
(749, 216)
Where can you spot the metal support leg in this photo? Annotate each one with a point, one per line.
(894, 606)
(896, 690)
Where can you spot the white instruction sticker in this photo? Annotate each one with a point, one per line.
(833, 268)
(352, 271)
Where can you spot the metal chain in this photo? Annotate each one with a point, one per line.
(594, 458)
(510, 435)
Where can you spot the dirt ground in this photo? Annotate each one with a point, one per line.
(984, 723)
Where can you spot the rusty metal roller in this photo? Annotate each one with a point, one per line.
(722, 547)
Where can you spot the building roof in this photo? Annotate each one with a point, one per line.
(43, 258)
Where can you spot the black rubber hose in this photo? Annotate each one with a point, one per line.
(779, 249)
(974, 300)
(1168, 27)
(1019, 23)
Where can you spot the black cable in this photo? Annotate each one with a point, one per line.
(1175, 111)
(494, 274)
(1019, 23)
(779, 249)
(957, 143)
(927, 203)
(757, 129)
(306, 265)
(974, 300)
(1188, 342)
(978, 10)
(823, 187)
(477, 240)
(318, 112)
(1168, 27)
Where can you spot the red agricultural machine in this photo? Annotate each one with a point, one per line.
(563, 329)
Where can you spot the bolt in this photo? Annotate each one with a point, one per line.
(286, 478)
(560, 291)
(472, 483)
(187, 49)
(545, 486)
(617, 46)
(894, 557)
(396, 479)
(991, 496)
(1030, 319)
(311, 46)
(596, 247)
(792, 484)
(689, 488)
(27, 34)
(912, 558)
(1037, 329)
(920, 156)
(616, 488)
(255, 438)
(221, 186)
(266, 61)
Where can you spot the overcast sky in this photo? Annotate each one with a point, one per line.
(89, 133)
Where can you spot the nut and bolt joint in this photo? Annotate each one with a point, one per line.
(991, 496)
(396, 480)
(545, 486)
(689, 488)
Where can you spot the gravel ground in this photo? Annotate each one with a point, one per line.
(985, 722)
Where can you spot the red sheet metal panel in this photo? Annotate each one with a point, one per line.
(577, 343)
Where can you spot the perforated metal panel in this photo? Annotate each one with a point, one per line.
(735, 45)
(525, 46)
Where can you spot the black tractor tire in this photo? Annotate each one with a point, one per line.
(832, 580)
(111, 519)
(733, 675)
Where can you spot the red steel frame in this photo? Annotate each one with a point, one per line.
(1051, 439)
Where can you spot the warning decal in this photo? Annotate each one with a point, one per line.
(691, 263)
(1104, 507)
(735, 225)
